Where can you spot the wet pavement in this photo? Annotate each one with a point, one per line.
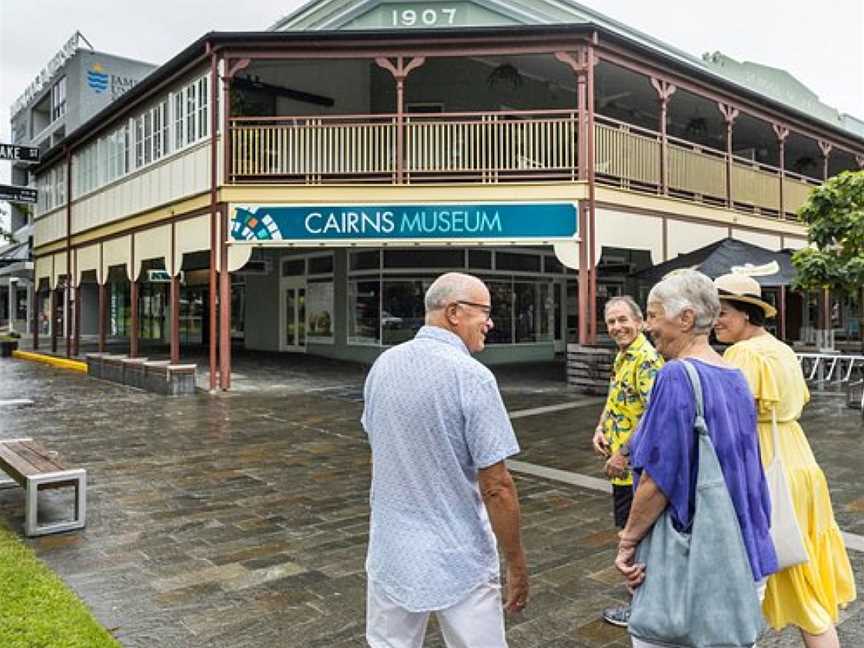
(241, 519)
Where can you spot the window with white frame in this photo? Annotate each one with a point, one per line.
(203, 102)
(191, 116)
(179, 120)
(176, 121)
(58, 99)
(60, 185)
(160, 130)
(139, 142)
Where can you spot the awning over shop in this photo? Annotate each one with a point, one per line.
(15, 262)
(14, 253)
(721, 257)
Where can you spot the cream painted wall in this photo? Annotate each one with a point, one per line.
(795, 243)
(629, 230)
(767, 241)
(684, 237)
(180, 176)
(50, 227)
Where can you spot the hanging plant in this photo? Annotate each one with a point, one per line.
(505, 74)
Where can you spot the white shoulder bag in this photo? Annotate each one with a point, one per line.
(785, 532)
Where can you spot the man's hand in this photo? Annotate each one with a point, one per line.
(617, 466)
(502, 504)
(633, 572)
(516, 587)
(601, 445)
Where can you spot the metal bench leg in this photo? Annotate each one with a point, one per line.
(75, 478)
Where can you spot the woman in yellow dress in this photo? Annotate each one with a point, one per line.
(808, 595)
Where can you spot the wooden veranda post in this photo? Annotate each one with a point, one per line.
(400, 71)
(578, 63)
(730, 114)
(665, 90)
(782, 133)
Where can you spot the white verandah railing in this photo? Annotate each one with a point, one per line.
(493, 147)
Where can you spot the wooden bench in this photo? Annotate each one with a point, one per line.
(36, 468)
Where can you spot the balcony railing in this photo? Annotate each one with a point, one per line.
(500, 147)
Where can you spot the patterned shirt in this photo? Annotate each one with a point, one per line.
(632, 377)
(434, 417)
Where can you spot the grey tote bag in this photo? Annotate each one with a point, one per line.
(698, 590)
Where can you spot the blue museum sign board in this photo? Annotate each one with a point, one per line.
(343, 224)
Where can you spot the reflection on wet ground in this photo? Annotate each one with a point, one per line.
(241, 519)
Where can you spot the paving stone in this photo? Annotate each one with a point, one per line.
(242, 519)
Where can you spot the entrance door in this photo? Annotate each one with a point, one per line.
(293, 314)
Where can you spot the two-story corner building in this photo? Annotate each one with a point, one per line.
(74, 85)
(300, 188)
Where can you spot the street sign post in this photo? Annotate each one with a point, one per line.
(15, 153)
(18, 194)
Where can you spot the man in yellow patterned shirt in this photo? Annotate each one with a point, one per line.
(636, 365)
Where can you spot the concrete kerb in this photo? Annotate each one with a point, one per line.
(60, 363)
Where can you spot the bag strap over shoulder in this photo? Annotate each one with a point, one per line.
(696, 383)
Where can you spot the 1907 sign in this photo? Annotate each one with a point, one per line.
(14, 152)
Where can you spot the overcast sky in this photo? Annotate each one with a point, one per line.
(822, 44)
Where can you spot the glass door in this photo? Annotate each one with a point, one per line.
(293, 315)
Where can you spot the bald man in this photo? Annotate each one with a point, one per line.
(441, 492)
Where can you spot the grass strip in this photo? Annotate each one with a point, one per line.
(37, 610)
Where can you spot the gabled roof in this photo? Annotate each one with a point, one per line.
(779, 85)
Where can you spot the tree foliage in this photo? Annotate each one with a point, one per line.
(834, 215)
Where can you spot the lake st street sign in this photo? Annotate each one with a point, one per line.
(18, 194)
(13, 152)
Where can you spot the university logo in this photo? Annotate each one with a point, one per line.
(97, 78)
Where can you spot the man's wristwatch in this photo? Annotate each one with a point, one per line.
(624, 450)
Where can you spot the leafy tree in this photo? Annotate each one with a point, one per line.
(5, 234)
(834, 215)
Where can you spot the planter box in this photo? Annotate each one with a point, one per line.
(7, 347)
(158, 376)
(589, 368)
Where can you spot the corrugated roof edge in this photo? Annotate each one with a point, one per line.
(188, 55)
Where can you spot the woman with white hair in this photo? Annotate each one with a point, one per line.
(806, 595)
(665, 454)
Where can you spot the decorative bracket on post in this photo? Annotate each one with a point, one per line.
(665, 90)
(730, 113)
(826, 148)
(400, 71)
(233, 67)
(578, 63)
(781, 132)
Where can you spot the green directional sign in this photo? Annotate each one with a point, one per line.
(15, 194)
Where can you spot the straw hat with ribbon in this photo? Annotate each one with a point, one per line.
(741, 287)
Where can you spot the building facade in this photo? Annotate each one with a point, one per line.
(76, 84)
(298, 189)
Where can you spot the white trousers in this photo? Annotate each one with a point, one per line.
(760, 591)
(477, 621)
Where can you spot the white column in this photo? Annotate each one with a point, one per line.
(66, 309)
(12, 309)
(30, 301)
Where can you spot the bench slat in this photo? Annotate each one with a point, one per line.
(50, 459)
(14, 465)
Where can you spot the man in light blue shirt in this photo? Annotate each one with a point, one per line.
(441, 493)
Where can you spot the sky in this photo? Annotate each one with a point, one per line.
(822, 44)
